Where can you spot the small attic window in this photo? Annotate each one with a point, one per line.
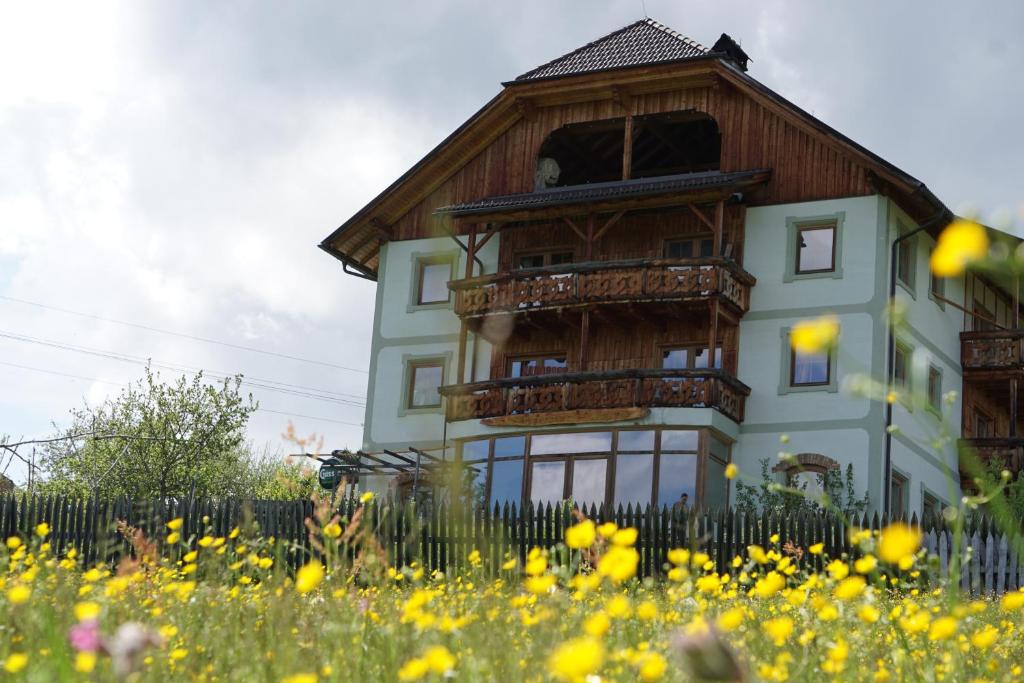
(583, 153)
(667, 144)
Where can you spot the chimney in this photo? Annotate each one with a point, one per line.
(730, 49)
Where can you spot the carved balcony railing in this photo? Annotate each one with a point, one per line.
(597, 390)
(594, 282)
(1005, 452)
(992, 350)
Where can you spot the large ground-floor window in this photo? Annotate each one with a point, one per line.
(638, 467)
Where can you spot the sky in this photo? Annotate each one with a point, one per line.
(174, 165)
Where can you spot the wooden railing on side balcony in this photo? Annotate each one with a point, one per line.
(1005, 452)
(593, 282)
(992, 350)
(597, 390)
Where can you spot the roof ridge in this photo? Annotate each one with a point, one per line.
(581, 48)
(676, 34)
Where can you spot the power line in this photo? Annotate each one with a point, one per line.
(122, 384)
(182, 335)
(282, 387)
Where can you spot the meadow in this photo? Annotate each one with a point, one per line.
(225, 608)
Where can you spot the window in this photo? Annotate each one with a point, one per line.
(983, 318)
(815, 249)
(937, 287)
(898, 496)
(810, 369)
(811, 482)
(934, 388)
(699, 246)
(984, 425)
(432, 273)
(425, 379)
(531, 366)
(930, 510)
(541, 259)
(905, 252)
(689, 357)
(901, 364)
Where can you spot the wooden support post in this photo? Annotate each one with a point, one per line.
(712, 333)
(719, 224)
(463, 329)
(584, 340)
(1013, 408)
(588, 250)
(627, 147)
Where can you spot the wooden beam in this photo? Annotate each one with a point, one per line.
(525, 107)
(584, 340)
(719, 224)
(588, 250)
(568, 221)
(627, 147)
(382, 228)
(703, 219)
(622, 97)
(611, 221)
(713, 333)
(463, 329)
(491, 231)
(566, 417)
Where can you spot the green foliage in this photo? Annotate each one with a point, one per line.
(158, 439)
(770, 496)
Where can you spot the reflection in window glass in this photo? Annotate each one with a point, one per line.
(677, 480)
(715, 486)
(810, 482)
(562, 444)
(547, 482)
(810, 368)
(815, 249)
(636, 441)
(434, 282)
(678, 440)
(700, 361)
(478, 475)
(674, 359)
(425, 381)
(588, 481)
(507, 482)
(512, 445)
(475, 450)
(634, 475)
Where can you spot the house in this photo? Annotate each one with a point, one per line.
(586, 291)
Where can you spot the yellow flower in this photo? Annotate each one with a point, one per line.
(539, 585)
(178, 654)
(85, 662)
(413, 670)
(205, 541)
(869, 614)
(816, 549)
(778, 629)
(332, 530)
(618, 564)
(84, 611)
(581, 535)
(607, 530)
(731, 471)
(309, 576)
(757, 554)
(300, 678)
(647, 610)
(960, 244)
(366, 497)
(190, 556)
(576, 659)
(770, 584)
(597, 624)
(19, 594)
(510, 564)
(175, 524)
(1013, 601)
(42, 530)
(865, 565)
(439, 659)
(838, 569)
(173, 537)
(13, 543)
(850, 588)
(942, 628)
(708, 583)
(984, 638)
(652, 666)
(624, 537)
(619, 607)
(679, 556)
(730, 619)
(897, 542)
(15, 662)
(536, 565)
(814, 336)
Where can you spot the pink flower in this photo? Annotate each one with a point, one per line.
(85, 636)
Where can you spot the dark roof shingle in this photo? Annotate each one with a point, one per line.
(643, 42)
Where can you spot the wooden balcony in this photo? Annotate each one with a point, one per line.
(994, 352)
(577, 285)
(1006, 452)
(581, 391)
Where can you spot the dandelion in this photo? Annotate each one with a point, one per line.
(15, 662)
(539, 585)
(414, 669)
(173, 537)
(731, 619)
(898, 542)
(1013, 601)
(332, 530)
(869, 614)
(581, 535)
(814, 336)
(652, 666)
(607, 530)
(624, 537)
(366, 497)
(300, 678)
(618, 564)
(309, 576)
(985, 638)
(439, 659)
(960, 244)
(778, 629)
(576, 659)
(731, 470)
(175, 524)
(850, 588)
(769, 585)
(42, 530)
(597, 624)
(13, 543)
(942, 628)
(85, 662)
(816, 549)
(86, 611)
(19, 594)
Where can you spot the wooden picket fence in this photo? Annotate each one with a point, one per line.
(443, 536)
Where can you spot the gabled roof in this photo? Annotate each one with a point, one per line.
(643, 42)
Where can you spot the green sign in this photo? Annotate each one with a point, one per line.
(331, 473)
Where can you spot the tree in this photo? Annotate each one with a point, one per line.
(165, 439)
